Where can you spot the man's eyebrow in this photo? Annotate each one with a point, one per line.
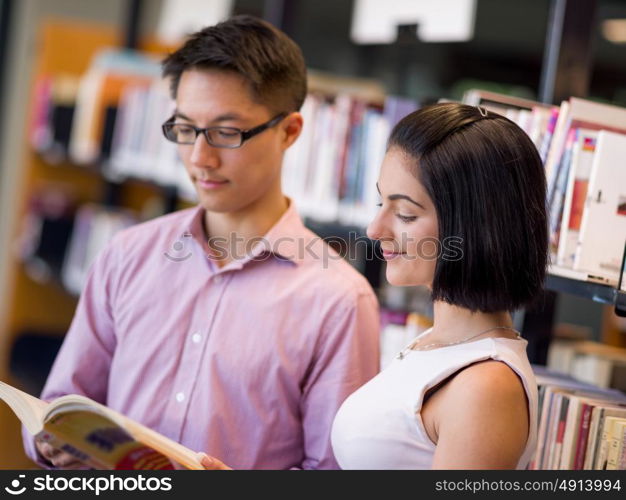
(394, 197)
(221, 118)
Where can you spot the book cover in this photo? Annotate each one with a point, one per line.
(576, 195)
(615, 444)
(605, 443)
(603, 226)
(557, 193)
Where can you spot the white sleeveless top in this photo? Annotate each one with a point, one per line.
(380, 425)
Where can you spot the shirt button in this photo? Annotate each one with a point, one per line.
(180, 397)
(196, 337)
(217, 279)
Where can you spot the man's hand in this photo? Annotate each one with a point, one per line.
(56, 457)
(211, 463)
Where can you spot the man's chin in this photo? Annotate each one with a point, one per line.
(217, 205)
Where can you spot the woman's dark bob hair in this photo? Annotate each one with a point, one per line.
(488, 186)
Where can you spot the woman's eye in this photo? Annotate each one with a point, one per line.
(379, 204)
(406, 218)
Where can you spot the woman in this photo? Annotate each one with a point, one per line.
(463, 394)
(463, 213)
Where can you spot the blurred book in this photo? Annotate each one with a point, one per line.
(53, 115)
(139, 149)
(592, 362)
(331, 171)
(99, 92)
(94, 227)
(46, 232)
(556, 199)
(576, 195)
(603, 224)
(397, 107)
(499, 103)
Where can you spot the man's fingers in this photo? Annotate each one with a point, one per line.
(57, 457)
(66, 461)
(211, 463)
(47, 450)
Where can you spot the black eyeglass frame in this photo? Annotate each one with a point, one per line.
(244, 135)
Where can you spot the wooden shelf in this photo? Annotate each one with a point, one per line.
(63, 47)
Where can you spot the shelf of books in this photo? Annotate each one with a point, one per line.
(581, 426)
(582, 144)
(73, 197)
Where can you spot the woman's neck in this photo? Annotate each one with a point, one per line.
(452, 323)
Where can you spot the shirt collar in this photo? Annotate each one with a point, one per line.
(283, 239)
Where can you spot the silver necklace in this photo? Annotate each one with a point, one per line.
(412, 345)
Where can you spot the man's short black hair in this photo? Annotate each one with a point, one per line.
(488, 185)
(270, 61)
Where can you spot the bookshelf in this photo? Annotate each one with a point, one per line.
(598, 292)
(566, 281)
(577, 179)
(45, 307)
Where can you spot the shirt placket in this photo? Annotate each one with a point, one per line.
(194, 349)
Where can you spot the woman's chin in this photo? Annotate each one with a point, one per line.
(398, 278)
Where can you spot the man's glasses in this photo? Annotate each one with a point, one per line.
(219, 137)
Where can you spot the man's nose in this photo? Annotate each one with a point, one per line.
(203, 154)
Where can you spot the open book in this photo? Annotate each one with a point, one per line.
(96, 435)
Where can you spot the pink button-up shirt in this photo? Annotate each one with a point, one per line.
(248, 362)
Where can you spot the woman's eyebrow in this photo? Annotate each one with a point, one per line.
(393, 197)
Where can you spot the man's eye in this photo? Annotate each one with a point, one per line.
(227, 134)
(185, 131)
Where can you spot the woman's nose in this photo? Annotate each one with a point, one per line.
(376, 229)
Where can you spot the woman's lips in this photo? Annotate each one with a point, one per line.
(210, 184)
(387, 255)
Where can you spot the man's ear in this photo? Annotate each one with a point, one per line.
(291, 127)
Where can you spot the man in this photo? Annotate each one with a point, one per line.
(228, 327)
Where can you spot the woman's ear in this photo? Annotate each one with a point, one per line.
(291, 127)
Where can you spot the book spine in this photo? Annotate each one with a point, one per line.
(615, 444)
(621, 459)
(583, 433)
(555, 462)
(604, 449)
(592, 444)
(611, 457)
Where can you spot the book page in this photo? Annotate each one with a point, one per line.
(27, 408)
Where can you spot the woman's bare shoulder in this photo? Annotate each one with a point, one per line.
(491, 376)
